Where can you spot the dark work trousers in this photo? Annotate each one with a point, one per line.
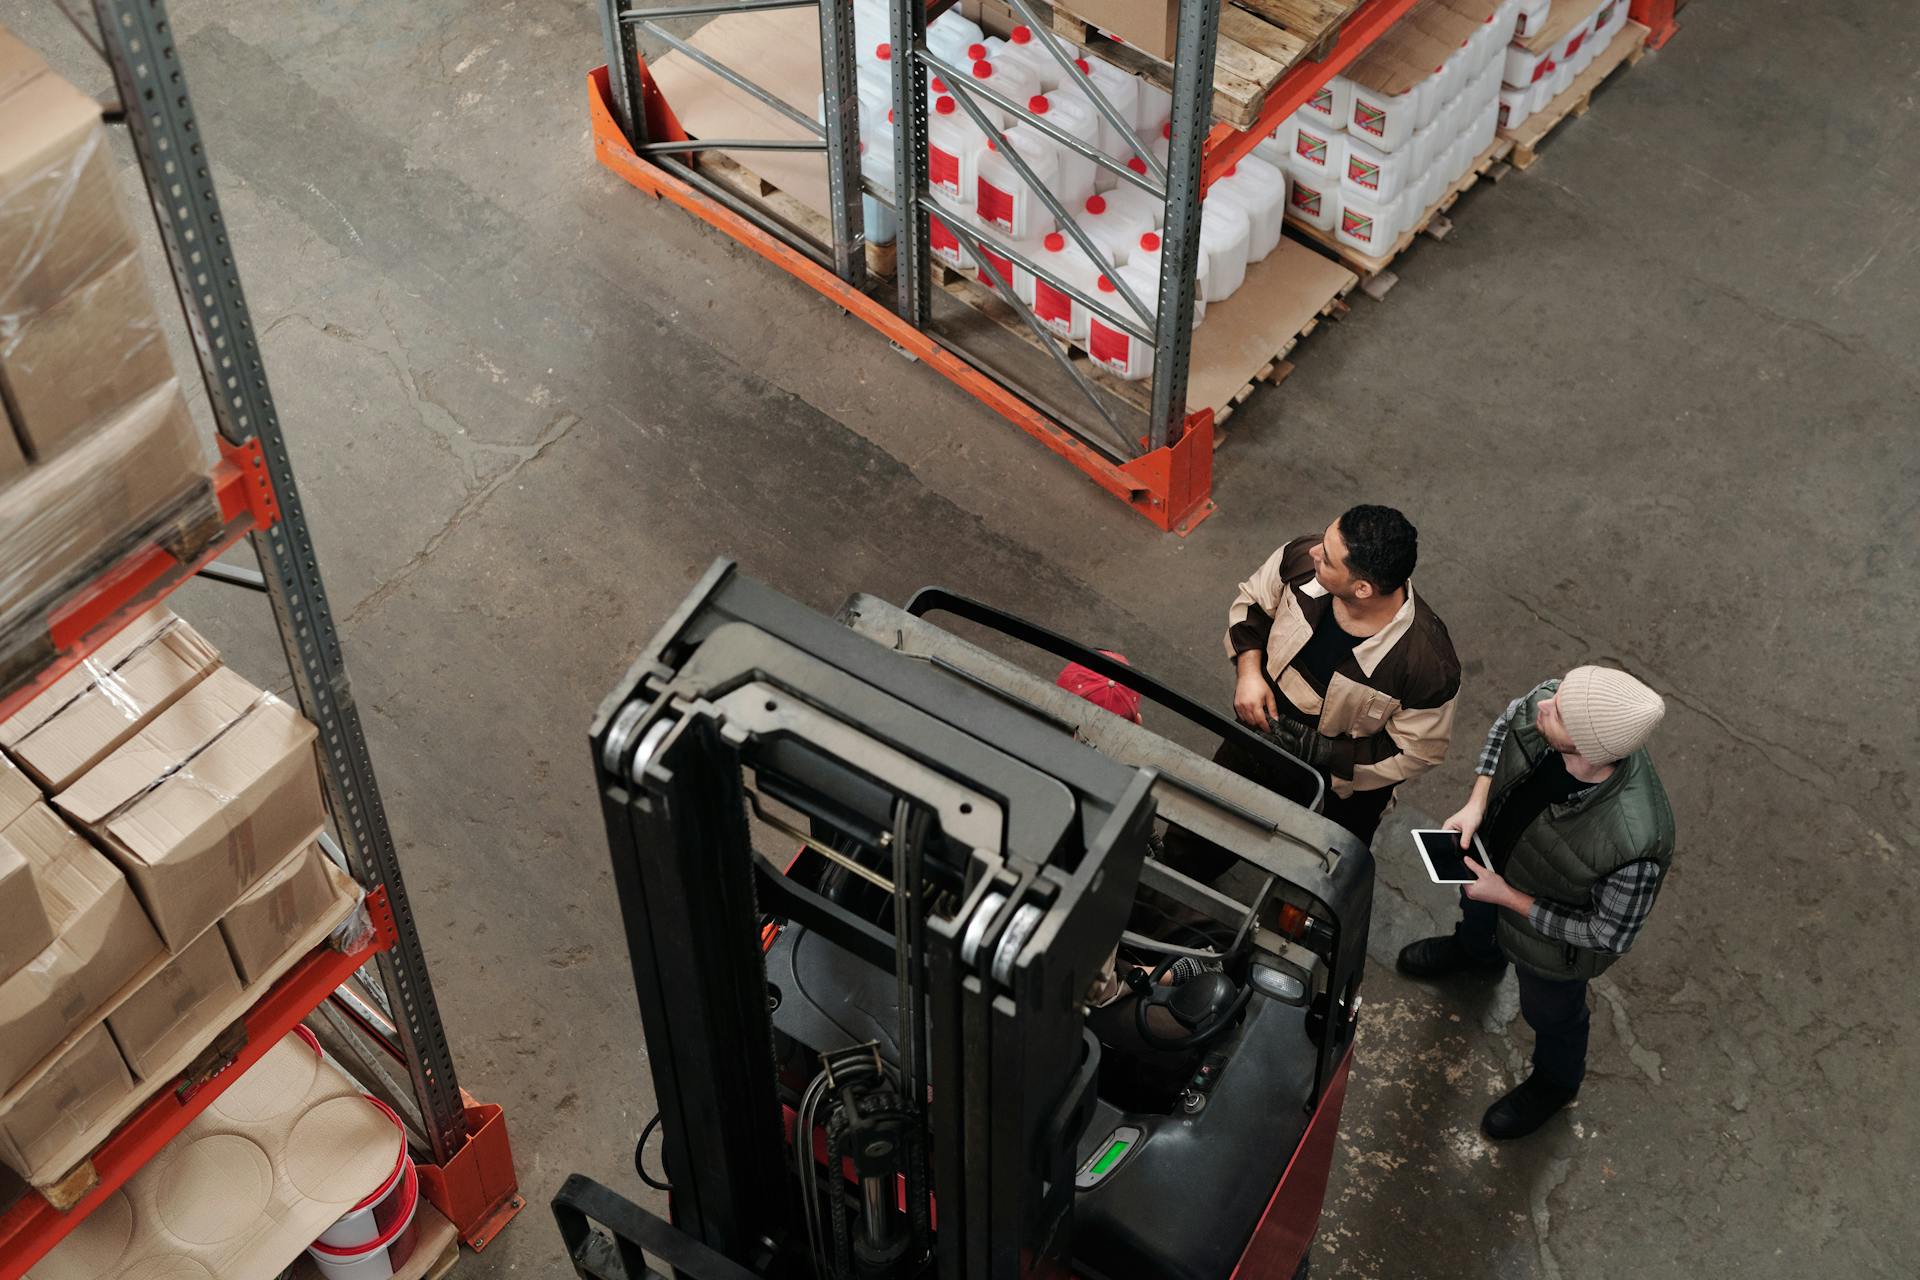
(1359, 813)
(1555, 1008)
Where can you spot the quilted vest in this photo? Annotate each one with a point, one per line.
(1569, 848)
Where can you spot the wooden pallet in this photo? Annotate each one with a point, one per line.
(1243, 344)
(1260, 41)
(1374, 270)
(1624, 50)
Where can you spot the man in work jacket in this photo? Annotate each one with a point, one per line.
(1577, 828)
(1343, 665)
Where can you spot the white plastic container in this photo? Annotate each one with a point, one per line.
(1010, 80)
(876, 166)
(1024, 50)
(1114, 228)
(1313, 198)
(1513, 107)
(1156, 109)
(1226, 233)
(1124, 195)
(1003, 199)
(1382, 120)
(1524, 67)
(1071, 113)
(1574, 43)
(943, 244)
(1480, 136)
(1115, 350)
(382, 1257)
(1531, 15)
(1369, 226)
(1263, 190)
(1146, 257)
(999, 264)
(1061, 260)
(1330, 103)
(1562, 78)
(954, 144)
(1274, 147)
(381, 1207)
(873, 69)
(1379, 175)
(872, 23)
(1313, 147)
(1122, 93)
(1610, 21)
(949, 35)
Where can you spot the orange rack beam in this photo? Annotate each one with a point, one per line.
(31, 1227)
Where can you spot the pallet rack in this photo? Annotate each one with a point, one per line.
(469, 1176)
(1159, 462)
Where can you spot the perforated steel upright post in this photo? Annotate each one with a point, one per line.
(910, 159)
(842, 103)
(1180, 239)
(623, 65)
(179, 175)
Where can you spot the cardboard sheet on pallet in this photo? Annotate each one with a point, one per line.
(1415, 47)
(778, 50)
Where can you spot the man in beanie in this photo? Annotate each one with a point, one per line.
(1577, 828)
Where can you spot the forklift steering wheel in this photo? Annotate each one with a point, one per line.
(1206, 1006)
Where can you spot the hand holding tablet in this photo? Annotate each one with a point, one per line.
(1446, 861)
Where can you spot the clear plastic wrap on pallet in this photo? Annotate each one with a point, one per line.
(96, 447)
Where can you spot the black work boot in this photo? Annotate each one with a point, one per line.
(1442, 956)
(1528, 1107)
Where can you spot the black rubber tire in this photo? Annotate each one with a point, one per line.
(1306, 1265)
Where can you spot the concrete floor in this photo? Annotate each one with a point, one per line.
(1651, 404)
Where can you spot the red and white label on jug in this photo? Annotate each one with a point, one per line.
(996, 206)
(1002, 267)
(1052, 308)
(1321, 103)
(1370, 118)
(943, 172)
(1109, 347)
(942, 242)
(1310, 148)
(1305, 199)
(1363, 174)
(1357, 225)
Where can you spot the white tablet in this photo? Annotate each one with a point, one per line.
(1446, 860)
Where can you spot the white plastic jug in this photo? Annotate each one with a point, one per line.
(1384, 120)
(944, 244)
(1530, 16)
(872, 23)
(1126, 195)
(1610, 21)
(1513, 106)
(1314, 147)
(1060, 261)
(1523, 67)
(1122, 93)
(954, 144)
(1263, 190)
(1114, 350)
(1226, 233)
(1330, 103)
(1313, 198)
(1024, 49)
(1003, 199)
(1274, 147)
(1010, 80)
(1480, 137)
(1071, 113)
(1114, 228)
(949, 35)
(873, 69)
(876, 166)
(998, 263)
(1381, 175)
(1369, 226)
(1156, 109)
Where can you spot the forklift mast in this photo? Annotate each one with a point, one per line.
(977, 856)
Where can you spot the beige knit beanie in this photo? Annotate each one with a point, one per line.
(1608, 714)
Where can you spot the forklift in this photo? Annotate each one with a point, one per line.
(905, 919)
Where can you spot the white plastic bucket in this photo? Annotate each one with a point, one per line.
(1262, 188)
(363, 1223)
(1313, 198)
(381, 1257)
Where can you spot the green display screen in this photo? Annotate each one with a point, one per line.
(1110, 1157)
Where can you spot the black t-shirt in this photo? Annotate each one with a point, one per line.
(1548, 782)
(1324, 651)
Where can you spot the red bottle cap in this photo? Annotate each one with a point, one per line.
(1106, 285)
(1096, 204)
(976, 51)
(1020, 35)
(1150, 242)
(943, 107)
(983, 70)
(1166, 131)
(937, 85)
(884, 52)
(1137, 165)
(1038, 104)
(990, 145)
(1081, 63)
(1054, 242)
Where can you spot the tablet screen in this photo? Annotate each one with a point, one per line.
(1446, 860)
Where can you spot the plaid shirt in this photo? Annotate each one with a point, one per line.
(1621, 901)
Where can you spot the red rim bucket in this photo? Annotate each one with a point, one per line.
(381, 1257)
(379, 1209)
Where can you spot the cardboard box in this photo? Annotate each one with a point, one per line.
(13, 457)
(83, 1087)
(61, 218)
(1151, 26)
(192, 994)
(79, 512)
(101, 940)
(267, 922)
(25, 930)
(72, 365)
(220, 788)
(17, 793)
(91, 711)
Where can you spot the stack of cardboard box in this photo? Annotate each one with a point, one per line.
(96, 446)
(158, 869)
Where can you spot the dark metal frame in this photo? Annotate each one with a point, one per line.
(160, 116)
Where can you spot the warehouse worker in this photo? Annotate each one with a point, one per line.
(1342, 665)
(1576, 825)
